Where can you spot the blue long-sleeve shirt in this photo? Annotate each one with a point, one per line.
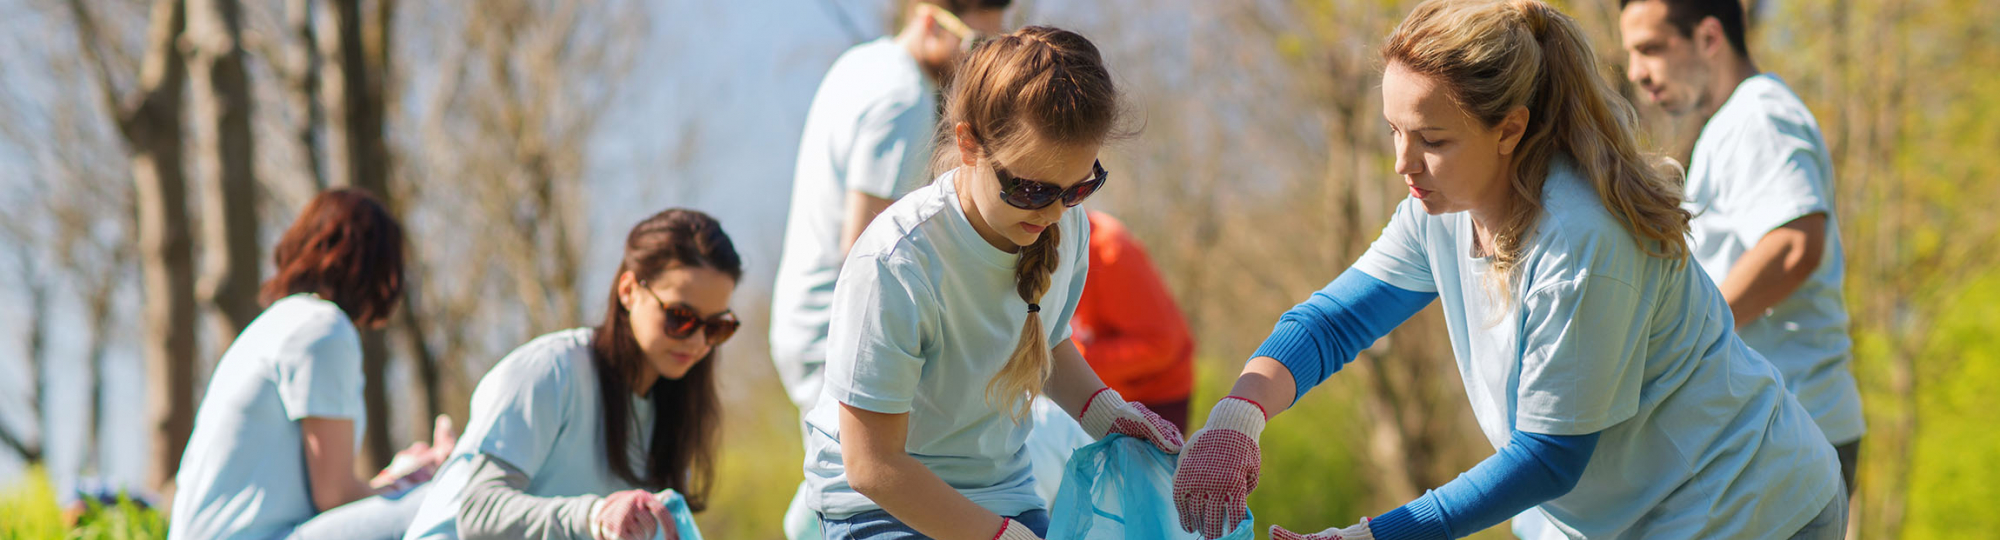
(1319, 336)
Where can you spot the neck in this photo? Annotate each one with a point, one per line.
(645, 380)
(1732, 75)
(970, 208)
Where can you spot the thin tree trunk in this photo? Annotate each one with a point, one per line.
(303, 88)
(352, 92)
(222, 99)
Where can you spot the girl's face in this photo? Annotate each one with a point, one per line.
(1004, 226)
(1450, 161)
(703, 291)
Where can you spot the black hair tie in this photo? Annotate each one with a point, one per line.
(1034, 308)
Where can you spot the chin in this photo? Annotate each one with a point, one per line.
(1434, 208)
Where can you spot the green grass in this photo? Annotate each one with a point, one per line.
(31, 512)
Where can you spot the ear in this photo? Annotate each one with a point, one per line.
(626, 283)
(1512, 128)
(1708, 38)
(968, 147)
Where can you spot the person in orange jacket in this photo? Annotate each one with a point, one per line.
(1128, 327)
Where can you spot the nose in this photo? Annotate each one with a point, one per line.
(1407, 162)
(1635, 71)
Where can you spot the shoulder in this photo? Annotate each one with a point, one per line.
(1576, 230)
(880, 75)
(1762, 110)
(902, 228)
(312, 324)
(551, 363)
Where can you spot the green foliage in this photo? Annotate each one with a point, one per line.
(1955, 471)
(32, 513)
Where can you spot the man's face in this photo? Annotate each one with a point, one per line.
(1663, 62)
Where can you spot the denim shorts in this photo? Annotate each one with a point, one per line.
(879, 525)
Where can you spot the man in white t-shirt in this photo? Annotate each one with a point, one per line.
(867, 142)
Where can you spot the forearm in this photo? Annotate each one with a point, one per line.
(1531, 469)
(913, 494)
(1267, 383)
(495, 506)
(1071, 381)
(1774, 268)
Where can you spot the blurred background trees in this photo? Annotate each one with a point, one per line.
(151, 151)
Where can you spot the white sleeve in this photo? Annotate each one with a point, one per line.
(882, 314)
(318, 370)
(889, 150)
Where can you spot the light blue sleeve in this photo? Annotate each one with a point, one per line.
(1398, 256)
(1077, 231)
(1582, 355)
(882, 312)
(519, 409)
(318, 370)
(890, 149)
(1314, 339)
(1531, 469)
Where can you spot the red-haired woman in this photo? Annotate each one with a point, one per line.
(272, 453)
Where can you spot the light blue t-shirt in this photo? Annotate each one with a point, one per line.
(1699, 439)
(926, 314)
(538, 411)
(869, 130)
(1759, 164)
(244, 474)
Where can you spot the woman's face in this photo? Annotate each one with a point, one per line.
(704, 290)
(1002, 225)
(1449, 161)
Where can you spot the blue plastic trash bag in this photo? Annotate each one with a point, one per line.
(1122, 488)
(683, 519)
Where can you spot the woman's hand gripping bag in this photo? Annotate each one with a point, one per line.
(1121, 488)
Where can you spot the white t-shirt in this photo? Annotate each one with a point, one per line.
(869, 130)
(1699, 439)
(538, 410)
(925, 314)
(244, 473)
(1759, 164)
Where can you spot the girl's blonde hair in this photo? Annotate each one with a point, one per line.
(1042, 84)
(1493, 56)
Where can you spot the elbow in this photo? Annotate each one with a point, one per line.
(867, 475)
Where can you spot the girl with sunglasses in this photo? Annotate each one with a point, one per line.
(952, 311)
(1601, 363)
(573, 435)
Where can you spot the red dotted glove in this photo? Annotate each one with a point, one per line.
(1107, 413)
(1219, 469)
(1359, 531)
(1014, 530)
(631, 515)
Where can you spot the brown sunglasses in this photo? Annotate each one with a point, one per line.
(682, 320)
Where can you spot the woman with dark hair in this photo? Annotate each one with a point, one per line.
(575, 434)
(272, 453)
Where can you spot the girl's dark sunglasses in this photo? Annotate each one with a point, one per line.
(682, 320)
(1028, 194)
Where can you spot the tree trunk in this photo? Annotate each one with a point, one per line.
(150, 122)
(222, 100)
(352, 93)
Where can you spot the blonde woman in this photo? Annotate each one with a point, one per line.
(1601, 364)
